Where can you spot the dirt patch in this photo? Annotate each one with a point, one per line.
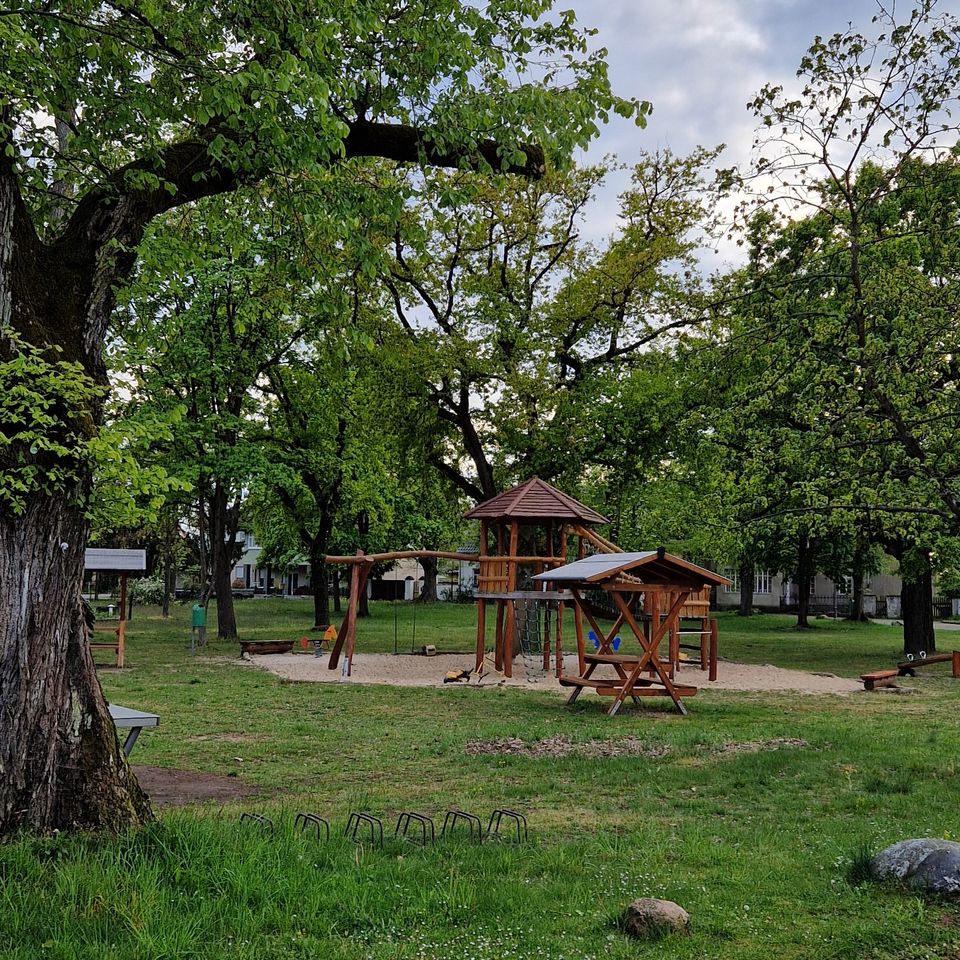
(169, 787)
(560, 746)
(760, 746)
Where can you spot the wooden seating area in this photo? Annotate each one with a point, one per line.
(122, 562)
(663, 584)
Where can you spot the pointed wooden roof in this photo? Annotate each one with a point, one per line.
(534, 499)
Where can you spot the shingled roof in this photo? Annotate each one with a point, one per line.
(534, 499)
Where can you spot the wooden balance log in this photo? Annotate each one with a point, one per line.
(260, 647)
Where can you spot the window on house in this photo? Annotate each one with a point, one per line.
(762, 581)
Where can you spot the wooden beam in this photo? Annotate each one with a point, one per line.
(511, 624)
(604, 545)
(349, 620)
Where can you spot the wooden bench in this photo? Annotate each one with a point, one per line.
(879, 678)
(117, 646)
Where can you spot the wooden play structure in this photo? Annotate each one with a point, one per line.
(122, 562)
(908, 668)
(528, 534)
(523, 532)
(649, 591)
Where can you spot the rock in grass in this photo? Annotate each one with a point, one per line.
(928, 864)
(648, 918)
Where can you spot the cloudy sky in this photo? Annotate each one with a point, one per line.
(700, 62)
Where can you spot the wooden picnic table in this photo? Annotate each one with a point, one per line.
(666, 584)
(133, 721)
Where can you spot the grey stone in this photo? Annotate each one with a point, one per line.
(925, 864)
(647, 918)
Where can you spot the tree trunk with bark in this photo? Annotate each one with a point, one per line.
(805, 575)
(224, 522)
(62, 763)
(746, 575)
(916, 609)
(429, 592)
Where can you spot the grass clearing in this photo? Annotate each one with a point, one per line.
(755, 813)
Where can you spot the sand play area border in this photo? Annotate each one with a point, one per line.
(410, 670)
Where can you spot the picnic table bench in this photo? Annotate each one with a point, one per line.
(133, 721)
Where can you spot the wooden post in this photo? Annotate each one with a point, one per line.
(674, 644)
(714, 644)
(955, 665)
(560, 612)
(349, 621)
(498, 637)
(361, 585)
(511, 624)
(481, 603)
(546, 635)
(121, 627)
(654, 598)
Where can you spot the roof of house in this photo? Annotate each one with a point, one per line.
(648, 566)
(120, 561)
(534, 499)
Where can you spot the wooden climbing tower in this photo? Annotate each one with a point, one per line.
(525, 531)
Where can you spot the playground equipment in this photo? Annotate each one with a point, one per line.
(908, 668)
(123, 562)
(663, 584)
(525, 533)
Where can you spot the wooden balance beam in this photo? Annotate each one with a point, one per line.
(907, 668)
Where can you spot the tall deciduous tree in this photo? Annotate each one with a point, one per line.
(520, 329)
(113, 113)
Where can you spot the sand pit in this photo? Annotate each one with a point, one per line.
(419, 671)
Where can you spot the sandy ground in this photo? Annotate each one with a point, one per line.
(419, 671)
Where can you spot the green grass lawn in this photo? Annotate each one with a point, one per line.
(755, 843)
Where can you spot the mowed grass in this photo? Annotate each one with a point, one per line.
(748, 812)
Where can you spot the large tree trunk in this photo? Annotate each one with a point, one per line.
(320, 582)
(62, 765)
(745, 573)
(224, 555)
(805, 575)
(429, 592)
(916, 609)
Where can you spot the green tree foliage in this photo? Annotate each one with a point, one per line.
(522, 332)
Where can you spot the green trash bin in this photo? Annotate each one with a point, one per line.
(198, 627)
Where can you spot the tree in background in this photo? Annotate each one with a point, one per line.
(520, 331)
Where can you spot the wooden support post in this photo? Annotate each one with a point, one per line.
(654, 598)
(511, 625)
(498, 637)
(121, 627)
(364, 572)
(349, 621)
(955, 664)
(714, 644)
(546, 636)
(560, 611)
(674, 646)
(581, 646)
(482, 604)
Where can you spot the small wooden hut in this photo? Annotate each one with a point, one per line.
(523, 532)
(649, 591)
